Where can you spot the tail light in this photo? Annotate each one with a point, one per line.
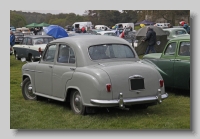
(161, 82)
(108, 87)
(40, 50)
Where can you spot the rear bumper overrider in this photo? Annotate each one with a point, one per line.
(121, 102)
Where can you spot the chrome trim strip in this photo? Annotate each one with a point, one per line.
(128, 101)
(33, 70)
(136, 76)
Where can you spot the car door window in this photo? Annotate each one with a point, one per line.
(24, 41)
(29, 41)
(50, 53)
(171, 48)
(65, 54)
(184, 49)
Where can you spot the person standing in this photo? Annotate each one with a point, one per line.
(12, 39)
(151, 38)
(187, 28)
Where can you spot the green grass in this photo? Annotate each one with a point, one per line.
(172, 114)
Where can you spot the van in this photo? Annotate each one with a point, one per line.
(79, 25)
(123, 25)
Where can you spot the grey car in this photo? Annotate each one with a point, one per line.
(175, 32)
(92, 71)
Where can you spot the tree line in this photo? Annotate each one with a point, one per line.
(104, 17)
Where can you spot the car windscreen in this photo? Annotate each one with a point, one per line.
(43, 40)
(110, 51)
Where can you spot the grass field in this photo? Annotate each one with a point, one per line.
(172, 114)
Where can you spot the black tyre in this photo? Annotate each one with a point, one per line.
(27, 90)
(16, 56)
(76, 103)
(31, 58)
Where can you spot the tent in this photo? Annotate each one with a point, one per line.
(32, 25)
(145, 22)
(43, 25)
(161, 37)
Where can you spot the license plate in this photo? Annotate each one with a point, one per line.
(20, 38)
(137, 84)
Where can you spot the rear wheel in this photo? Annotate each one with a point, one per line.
(76, 103)
(16, 56)
(31, 58)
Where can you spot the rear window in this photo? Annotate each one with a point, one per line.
(42, 40)
(110, 51)
(180, 32)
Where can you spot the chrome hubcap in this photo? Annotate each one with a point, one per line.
(77, 102)
(29, 91)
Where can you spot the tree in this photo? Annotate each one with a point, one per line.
(17, 20)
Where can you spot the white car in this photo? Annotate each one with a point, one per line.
(108, 33)
(31, 47)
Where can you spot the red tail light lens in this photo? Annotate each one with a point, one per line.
(108, 87)
(161, 83)
(39, 49)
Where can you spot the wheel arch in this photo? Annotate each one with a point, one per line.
(69, 90)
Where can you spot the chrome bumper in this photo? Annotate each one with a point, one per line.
(122, 102)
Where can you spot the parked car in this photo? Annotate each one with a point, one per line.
(107, 33)
(173, 63)
(175, 32)
(31, 47)
(11, 51)
(18, 37)
(92, 71)
(28, 33)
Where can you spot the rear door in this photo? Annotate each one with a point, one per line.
(63, 70)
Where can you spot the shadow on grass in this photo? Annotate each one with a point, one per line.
(100, 111)
(178, 92)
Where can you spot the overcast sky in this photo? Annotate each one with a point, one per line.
(80, 12)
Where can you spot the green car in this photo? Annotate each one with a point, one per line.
(174, 63)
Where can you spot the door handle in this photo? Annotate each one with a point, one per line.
(72, 69)
(175, 60)
(50, 66)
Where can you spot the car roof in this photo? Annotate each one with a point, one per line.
(182, 37)
(173, 29)
(109, 31)
(38, 36)
(90, 40)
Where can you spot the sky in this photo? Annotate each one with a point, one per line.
(80, 12)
